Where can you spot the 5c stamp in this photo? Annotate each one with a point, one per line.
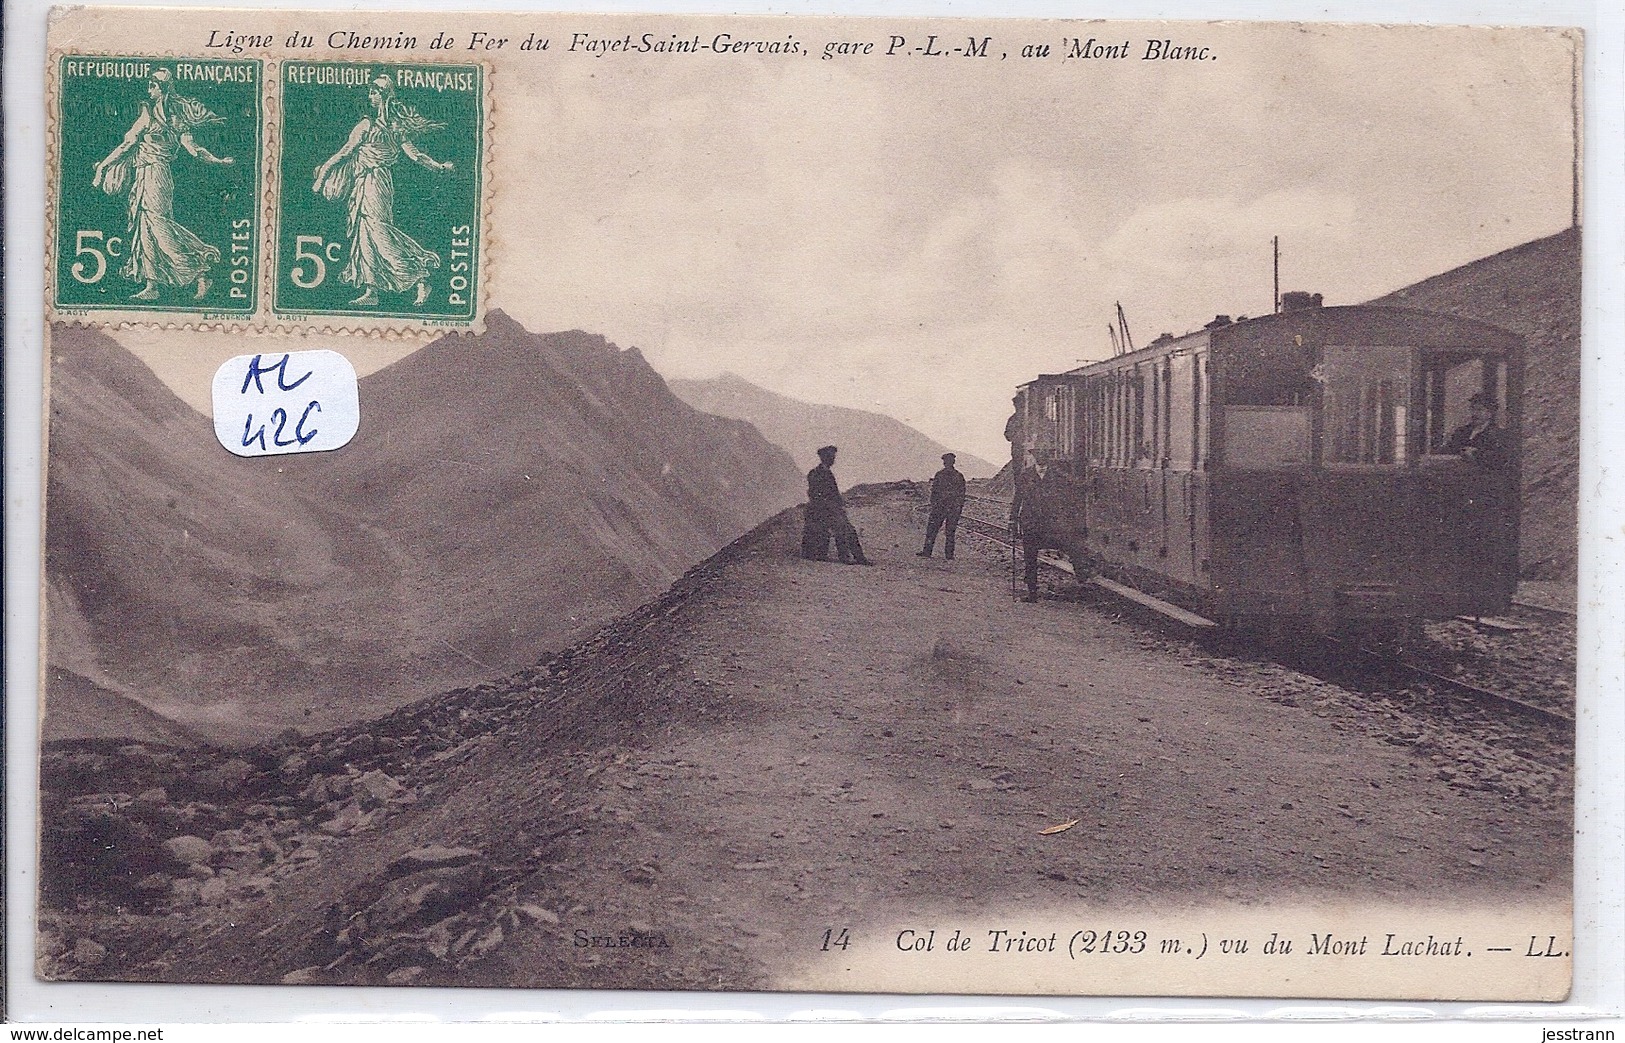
(378, 202)
(252, 194)
(157, 193)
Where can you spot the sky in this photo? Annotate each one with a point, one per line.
(919, 235)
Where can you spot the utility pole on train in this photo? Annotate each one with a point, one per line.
(1276, 242)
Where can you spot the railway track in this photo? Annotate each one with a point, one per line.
(993, 532)
(1547, 610)
(996, 529)
(1499, 700)
(999, 534)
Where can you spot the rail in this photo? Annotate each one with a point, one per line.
(1438, 680)
(1551, 610)
(999, 534)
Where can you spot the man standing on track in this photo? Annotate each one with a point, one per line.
(947, 501)
(826, 516)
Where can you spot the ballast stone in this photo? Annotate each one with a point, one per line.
(189, 850)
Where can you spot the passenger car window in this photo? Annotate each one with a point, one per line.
(1450, 382)
(1367, 402)
(1181, 420)
(1266, 437)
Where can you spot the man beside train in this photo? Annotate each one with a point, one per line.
(947, 503)
(1013, 435)
(1033, 512)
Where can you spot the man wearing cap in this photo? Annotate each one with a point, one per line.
(947, 501)
(1479, 440)
(826, 516)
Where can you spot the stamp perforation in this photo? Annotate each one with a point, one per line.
(173, 130)
(264, 317)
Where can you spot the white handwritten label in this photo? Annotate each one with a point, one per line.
(286, 402)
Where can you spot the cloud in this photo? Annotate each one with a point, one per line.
(1211, 255)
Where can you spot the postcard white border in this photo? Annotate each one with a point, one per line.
(1599, 865)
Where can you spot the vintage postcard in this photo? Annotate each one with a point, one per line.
(1013, 507)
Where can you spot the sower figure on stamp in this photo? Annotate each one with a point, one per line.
(382, 257)
(826, 516)
(162, 250)
(947, 502)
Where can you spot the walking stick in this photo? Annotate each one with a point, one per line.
(1013, 529)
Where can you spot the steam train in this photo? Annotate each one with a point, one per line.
(1296, 468)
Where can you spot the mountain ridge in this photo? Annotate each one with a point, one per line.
(874, 447)
(508, 491)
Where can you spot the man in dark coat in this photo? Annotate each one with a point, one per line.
(947, 502)
(826, 516)
(1013, 434)
(1033, 514)
(1485, 535)
(1479, 440)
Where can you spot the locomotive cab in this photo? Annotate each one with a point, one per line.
(1331, 466)
(1376, 510)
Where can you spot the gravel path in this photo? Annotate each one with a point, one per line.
(899, 735)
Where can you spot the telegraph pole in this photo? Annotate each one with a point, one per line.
(1276, 243)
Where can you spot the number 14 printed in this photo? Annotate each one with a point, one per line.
(379, 190)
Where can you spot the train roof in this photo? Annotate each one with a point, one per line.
(1382, 320)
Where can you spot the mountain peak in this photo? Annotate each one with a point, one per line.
(507, 492)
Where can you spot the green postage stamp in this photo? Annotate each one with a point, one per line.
(254, 194)
(378, 204)
(158, 190)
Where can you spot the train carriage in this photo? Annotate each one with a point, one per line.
(1294, 467)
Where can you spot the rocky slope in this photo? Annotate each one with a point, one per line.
(1533, 289)
(146, 847)
(507, 493)
(874, 447)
